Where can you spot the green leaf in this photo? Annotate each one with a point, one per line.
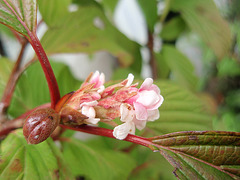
(32, 89)
(150, 166)
(6, 31)
(22, 161)
(181, 110)
(109, 6)
(163, 69)
(180, 66)
(19, 15)
(53, 10)
(122, 73)
(96, 163)
(87, 30)
(228, 67)
(149, 9)
(202, 154)
(203, 17)
(5, 70)
(172, 29)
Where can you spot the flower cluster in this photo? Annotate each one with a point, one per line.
(135, 107)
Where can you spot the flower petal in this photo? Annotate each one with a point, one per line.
(92, 120)
(153, 115)
(98, 79)
(146, 84)
(120, 132)
(148, 98)
(127, 112)
(88, 111)
(140, 124)
(130, 80)
(141, 112)
(90, 103)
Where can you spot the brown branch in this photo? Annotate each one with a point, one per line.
(152, 62)
(9, 89)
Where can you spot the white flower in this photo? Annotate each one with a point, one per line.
(89, 111)
(127, 115)
(120, 132)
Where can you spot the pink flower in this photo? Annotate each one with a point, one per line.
(134, 106)
(147, 101)
(96, 81)
(137, 110)
(99, 80)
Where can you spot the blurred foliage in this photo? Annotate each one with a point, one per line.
(90, 28)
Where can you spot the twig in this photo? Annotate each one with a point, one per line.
(11, 125)
(9, 89)
(153, 63)
(109, 133)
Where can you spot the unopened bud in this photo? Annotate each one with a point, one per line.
(40, 124)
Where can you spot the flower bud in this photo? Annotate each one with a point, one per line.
(40, 124)
(70, 116)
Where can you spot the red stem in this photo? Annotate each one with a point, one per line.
(109, 133)
(46, 66)
(34, 41)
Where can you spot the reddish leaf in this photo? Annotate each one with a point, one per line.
(202, 154)
(19, 15)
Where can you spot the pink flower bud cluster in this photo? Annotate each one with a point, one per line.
(135, 107)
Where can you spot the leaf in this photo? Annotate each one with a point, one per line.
(22, 161)
(150, 166)
(53, 10)
(109, 6)
(87, 30)
(32, 89)
(149, 9)
(163, 69)
(180, 66)
(6, 31)
(122, 73)
(5, 70)
(203, 17)
(181, 110)
(19, 15)
(96, 163)
(202, 154)
(228, 67)
(172, 29)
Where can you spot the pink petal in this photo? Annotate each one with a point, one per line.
(146, 84)
(155, 88)
(158, 104)
(140, 124)
(90, 103)
(153, 115)
(141, 112)
(98, 79)
(148, 98)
